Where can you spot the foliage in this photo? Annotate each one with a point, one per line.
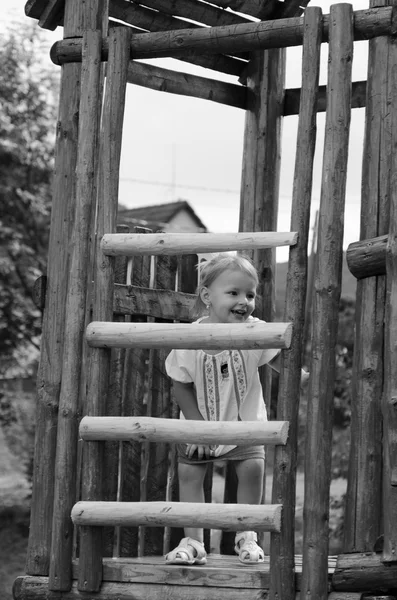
(28, 97)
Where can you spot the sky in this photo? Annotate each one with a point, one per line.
(185, 148)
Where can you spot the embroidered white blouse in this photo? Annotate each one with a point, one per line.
(227, 384)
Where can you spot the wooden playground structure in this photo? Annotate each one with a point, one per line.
(104, 505)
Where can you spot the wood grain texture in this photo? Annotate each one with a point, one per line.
(327, 286)
(36, 588)
(186, 84)
(192, 243)
(50, 367)
(389, 397)
(363, 511)
(201, 12)
(285, 464)
(256, 334)
(155, 429)
(227, 40)
(367, 258)
(155, 20)
(361, 572)
(99, 358)
(292, 98)
(134, 389)
(138, 301)
(66, 456)
(231, 517)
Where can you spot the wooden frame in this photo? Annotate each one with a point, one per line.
(254, 52)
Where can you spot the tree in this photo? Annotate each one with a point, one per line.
(28, 100)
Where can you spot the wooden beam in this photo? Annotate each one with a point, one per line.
(51, 358)
(229, 517)
(134, 384)
(152, 429)
(151, 20)
(363, 520)
(230, 39)
(293, 96)
(197, 11)
(251, 335)
(261, 9)
(192, 243)
(285, 464)
(99, 358)
(161, 304)
(389, 396)
(327, 287)
(290, 8)
(362, 572)
(36, 588)
(67, 442)
(34, 8)
(185, 84)
(52, 14)
(367, 258)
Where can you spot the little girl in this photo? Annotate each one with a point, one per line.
(220, 386)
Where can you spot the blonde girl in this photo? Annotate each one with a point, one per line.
(220, 386)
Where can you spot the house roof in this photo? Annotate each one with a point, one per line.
(159, 215)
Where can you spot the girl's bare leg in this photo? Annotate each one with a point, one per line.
(191, 489)
(250, 474)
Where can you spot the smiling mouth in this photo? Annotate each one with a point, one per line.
(240, 313)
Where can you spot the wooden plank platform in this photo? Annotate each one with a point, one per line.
(220, 571)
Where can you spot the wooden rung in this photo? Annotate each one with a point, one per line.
(229, 517)
(131, 244)
(150, 429)
(239, 336)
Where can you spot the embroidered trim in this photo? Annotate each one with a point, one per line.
(240, 378)
(211, 388)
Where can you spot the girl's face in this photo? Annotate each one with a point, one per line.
(231, 297)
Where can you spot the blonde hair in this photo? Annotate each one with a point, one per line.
(211, 269)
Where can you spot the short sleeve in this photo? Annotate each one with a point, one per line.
(268, 355)
(178, 366)
(264, 356)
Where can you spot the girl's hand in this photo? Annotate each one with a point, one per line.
(202, 451)
(304, 378)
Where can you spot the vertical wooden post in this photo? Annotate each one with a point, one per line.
(327, 287)
(66, 455)
(135, 373)
(114, 407)
(50, 369)
(261, 162)
(362, 524)
(389, 403)
(260, 182)
(282, 549)
(90, 563)
(159, 405)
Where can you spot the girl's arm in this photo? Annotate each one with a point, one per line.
(185, 397)
(275, 365)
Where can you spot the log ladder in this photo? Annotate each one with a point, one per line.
(91, 514)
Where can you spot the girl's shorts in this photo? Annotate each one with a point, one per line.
(238, 453)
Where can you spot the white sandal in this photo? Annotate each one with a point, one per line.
(189, 552)
(247, 548)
